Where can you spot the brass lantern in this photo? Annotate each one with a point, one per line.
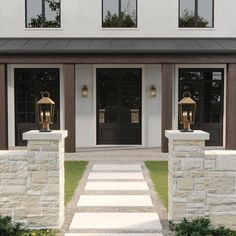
(187, 111)
(45, 111)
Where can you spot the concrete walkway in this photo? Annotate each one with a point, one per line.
(116, 201)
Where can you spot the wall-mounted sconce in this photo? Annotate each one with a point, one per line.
(85, 91)
(153, 91)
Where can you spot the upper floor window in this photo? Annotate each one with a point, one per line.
(119, 13)
(196, 13)
(43, 14)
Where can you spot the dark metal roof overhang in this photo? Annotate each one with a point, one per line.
(215, 46)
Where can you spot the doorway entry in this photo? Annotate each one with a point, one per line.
(119, 106)
(207, 90)
(29, 83)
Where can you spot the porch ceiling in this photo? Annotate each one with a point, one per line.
(118, 45)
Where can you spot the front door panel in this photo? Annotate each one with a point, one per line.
(119, 106)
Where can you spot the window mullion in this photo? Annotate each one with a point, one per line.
(196, 13)
(119, 9)
(43, 13)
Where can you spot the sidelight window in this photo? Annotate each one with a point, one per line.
(43, 14)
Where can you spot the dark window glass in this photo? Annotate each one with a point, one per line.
(207, 90)
(119, 13)
(43, 14)
(29, 83)
(196, 13)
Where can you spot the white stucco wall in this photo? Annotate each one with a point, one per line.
(85, 128)
(153, 107)
(86, 110)
(82, 18)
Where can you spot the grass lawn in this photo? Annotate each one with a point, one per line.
(73, 173)
(159, 175)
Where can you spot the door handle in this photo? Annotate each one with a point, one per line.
(134, 116)
(101, 116)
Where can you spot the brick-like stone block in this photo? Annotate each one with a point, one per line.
(226, 163)
(210, 165)
(192, 164)
(39, 177)
(225, 219)
(185, 184)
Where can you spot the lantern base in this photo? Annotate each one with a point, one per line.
(186, 130)
(45, 130)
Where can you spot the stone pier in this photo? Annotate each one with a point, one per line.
(32, 181)
(201, 183)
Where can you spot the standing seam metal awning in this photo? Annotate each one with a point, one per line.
(118, 45)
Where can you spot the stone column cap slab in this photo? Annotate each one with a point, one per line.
(53, 135)
(195, 135)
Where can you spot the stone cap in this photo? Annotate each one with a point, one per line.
(195, 135)
(54, 135)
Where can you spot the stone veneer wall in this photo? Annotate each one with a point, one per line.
(32, 184)
(201, 183)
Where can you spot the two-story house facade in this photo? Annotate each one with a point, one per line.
(116, 69)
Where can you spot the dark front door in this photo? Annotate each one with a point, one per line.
(207, 89)
(29, 83)
(119, 102)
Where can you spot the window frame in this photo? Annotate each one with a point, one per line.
(43, 14)
(196, 14)
(119, 9)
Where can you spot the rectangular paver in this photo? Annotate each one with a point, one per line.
(120, 186)
(115, 175)
(115, 200)
(114, 234)
(149, 221)
(116, 167)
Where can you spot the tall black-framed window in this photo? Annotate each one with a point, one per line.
(28, 84)
(206, 86)
(119, 13)
(42, 13)
(196, 13)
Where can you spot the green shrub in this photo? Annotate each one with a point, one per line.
(200, 227)
(8, 228)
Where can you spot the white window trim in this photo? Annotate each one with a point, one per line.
(176, 86)
(11, 97)
(141, 66)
